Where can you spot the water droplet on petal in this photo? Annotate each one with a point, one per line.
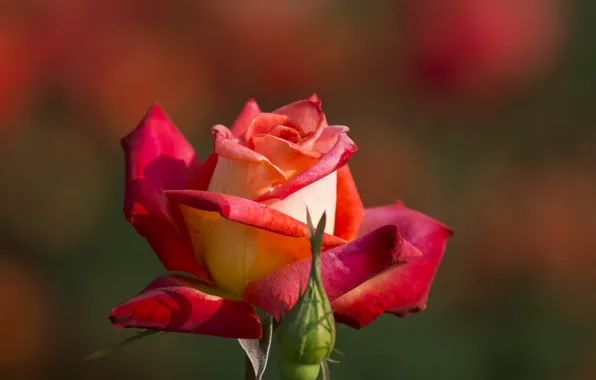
(274, 186)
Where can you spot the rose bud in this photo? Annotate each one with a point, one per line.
(307, 332)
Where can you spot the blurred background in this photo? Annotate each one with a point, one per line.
(477, 112)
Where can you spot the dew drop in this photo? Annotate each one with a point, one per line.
(274, 186)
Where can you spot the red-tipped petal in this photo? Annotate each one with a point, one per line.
(182, 304)
(247, 212)
(328, 163)
(306, 113)
(343, 268)
(158, 158)
(328, 137)
(241, 240)
(403, 289)
(249, 112)
(349, 210)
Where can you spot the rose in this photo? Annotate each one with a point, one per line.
(236, 222)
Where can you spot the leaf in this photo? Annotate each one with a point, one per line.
(257, 350)
(126, 341)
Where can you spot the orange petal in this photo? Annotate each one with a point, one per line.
(349, 211)
(241, 240)
(327, 164)
(263, 124)
(289, 157)
(241, 171)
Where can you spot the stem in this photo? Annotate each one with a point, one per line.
(249, 372)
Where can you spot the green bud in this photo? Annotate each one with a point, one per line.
(295, 371)
(306, 334)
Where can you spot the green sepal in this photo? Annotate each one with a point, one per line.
(125, 342)
(257, 350)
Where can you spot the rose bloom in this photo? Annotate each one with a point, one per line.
(236, 224)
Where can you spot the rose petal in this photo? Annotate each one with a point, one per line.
(328, 163)
(306, 113)
(263, 124)
(249, 112)
(328, 138)
(157, 158)
(404, 289)
(182, 304)
(241, 171)
(240, 240)
(349, 210)
(170, 248)
(286, 133)
(289, 157)
(343, 268)
(200, 176)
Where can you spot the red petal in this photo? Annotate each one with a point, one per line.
(305, 113)
(403, 289)
(247, 212)
(249, 112)
(182, 304)
(199, 178)
(343, 268)
(157, 158)
(328, 163)
(169, 247)
(349, 211)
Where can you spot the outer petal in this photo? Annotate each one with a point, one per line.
(157, 158)
(249, 112)
(165, 240)
(182, 304)
(329, 163)
(404, 289)
(343, 268)
(328, 138)
(241, 240)
(349, 210)
(200, 175)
